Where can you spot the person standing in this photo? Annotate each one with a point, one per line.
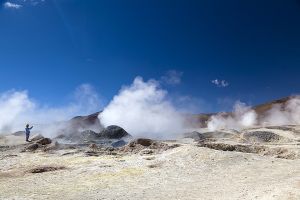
(27, 131)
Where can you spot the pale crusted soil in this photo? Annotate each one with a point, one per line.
(185, 172)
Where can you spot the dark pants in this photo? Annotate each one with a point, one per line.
(27, 136)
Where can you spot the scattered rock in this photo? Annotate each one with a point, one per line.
(32, 147)
(141, 141)
(44, 141)
(37, 137)
(113, 132)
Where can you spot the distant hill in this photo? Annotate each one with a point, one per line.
(89, 122)
(198, 120)
(261, 110)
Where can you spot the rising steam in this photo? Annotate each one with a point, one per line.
(17, 109)
(143, 110)
(243, 116)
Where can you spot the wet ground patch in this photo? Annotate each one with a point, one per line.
(43, 169)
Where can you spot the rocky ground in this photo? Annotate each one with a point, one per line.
(257, 163)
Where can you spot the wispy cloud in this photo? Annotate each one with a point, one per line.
(20, 3)
(220, 83)
(172, 77)
(10, 5)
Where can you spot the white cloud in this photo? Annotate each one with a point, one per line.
(172, 77)
(10, 5)
(220, 83)
(21, 3)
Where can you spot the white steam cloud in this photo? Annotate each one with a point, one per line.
(12, 104)
(17, 109)
(284, 114)
(243, 116)
(143, 109)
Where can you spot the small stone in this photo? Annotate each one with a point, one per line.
(144, 142)
(44, 141)
(32, 147)
(37, 137)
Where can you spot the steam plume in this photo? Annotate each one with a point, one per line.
(17, 109)
(243, 116)
(143, 110)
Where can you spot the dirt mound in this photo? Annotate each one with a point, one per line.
(262, 136)
(278, 152)
(194, 135)
(146, 146)
(113, 132)
(89, 136)
(235, 147)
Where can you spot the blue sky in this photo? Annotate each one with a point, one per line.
(51, 47)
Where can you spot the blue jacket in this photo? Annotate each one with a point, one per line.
(27, 130)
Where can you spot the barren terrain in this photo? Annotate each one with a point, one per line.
(257, 163)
